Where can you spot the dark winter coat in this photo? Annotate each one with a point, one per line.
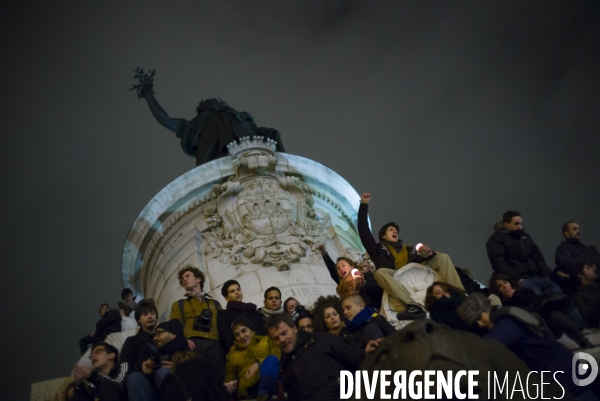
(370, 291)
(379, 253)
(444, 311)
(195, 380)
(110, 323)
(312, 370)
(226, 317)
(538, 349)
(355, 336)
(587, 300)
(515, 253)
(137, 349)
(571, 250)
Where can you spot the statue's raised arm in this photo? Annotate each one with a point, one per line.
(215, 126)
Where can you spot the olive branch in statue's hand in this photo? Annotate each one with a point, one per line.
(146, 82)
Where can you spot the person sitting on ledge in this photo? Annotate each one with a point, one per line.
(140, 348)
(391, 254)
(558, 311)
(198, 313)
(192, 378)
(587, 295)
(304, 322)
(106, 378)
(513, 252)
(363, 323)
(169, 339)
(351, 281)
(441, 301)
(328, 314)
(311, 362)
(252, 364)
(525, 334)
(232, 292)
(568, 252)
(272, 303)
(128, 303)
(110, 322)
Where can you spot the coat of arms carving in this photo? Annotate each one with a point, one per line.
(261, 216)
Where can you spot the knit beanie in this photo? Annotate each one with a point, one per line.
(244, 320)
(173, 326)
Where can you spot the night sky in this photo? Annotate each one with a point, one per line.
(449, 113)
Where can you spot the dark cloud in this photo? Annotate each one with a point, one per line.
(449, 113)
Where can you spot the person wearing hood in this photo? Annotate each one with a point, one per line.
(362, 323)
(232, 292)
(390, 254)
(525, 334)
(252, 364)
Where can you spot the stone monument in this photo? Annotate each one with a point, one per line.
(256, 216)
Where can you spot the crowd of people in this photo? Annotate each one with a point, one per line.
(283, 350)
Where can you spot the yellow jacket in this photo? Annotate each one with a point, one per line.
(242, 357)
(192, 308)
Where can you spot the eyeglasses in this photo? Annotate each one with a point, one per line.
(97, 351)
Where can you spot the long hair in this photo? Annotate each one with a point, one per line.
(322, 303)
(495, 288)
(430, 300)
(285, 304)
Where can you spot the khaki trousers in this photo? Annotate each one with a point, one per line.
(441, 263)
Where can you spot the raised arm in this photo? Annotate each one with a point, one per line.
(329, 263)
(161, 115)
(366, 237)
(145, 89)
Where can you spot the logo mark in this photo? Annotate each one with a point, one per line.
(579, 369)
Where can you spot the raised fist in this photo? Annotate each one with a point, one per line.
(365, 197)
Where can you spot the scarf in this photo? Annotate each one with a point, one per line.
(241, 306)
(444, 311)
(198, 295)
(398, 251)
(269, 312)
(361, 317)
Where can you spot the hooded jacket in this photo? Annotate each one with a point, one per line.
(515, 253)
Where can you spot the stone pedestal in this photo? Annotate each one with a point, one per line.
(255, 216)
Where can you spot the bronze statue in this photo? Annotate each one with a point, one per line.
(215, 126)
(426, 345)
